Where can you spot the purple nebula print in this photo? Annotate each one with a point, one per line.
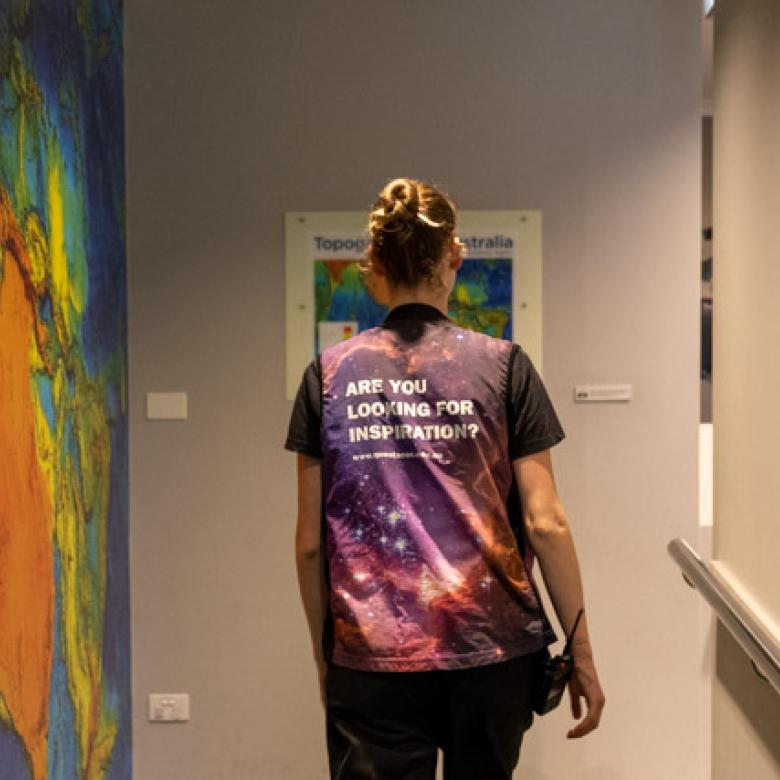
(424, 567)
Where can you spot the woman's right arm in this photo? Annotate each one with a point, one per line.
(550, 537)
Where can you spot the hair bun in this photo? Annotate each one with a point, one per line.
(397, 208)
(404, 200)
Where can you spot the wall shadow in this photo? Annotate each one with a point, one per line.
(757, 700)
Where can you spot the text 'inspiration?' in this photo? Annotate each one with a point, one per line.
(434, 416)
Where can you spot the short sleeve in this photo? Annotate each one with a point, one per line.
(533, 423)
(303, 432)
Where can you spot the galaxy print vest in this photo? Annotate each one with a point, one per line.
(425, 571)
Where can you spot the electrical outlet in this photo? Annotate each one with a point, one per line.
(169, 707)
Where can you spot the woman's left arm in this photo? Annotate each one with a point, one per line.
(310, 556)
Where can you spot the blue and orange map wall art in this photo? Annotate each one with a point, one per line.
(64, 601)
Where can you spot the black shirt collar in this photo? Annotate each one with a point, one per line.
(415, 311)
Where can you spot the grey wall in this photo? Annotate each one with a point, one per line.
(239, 111)
(746, 712)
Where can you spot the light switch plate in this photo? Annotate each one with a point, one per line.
(169, 707)
(166, 406)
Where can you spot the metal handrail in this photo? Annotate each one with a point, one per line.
(761, 646)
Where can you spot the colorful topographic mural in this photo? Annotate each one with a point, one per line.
(481, 299)
(64, 602)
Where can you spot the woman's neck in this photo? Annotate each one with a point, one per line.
(438, 298)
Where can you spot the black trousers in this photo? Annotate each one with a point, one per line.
(388, 725)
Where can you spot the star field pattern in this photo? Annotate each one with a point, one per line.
(425, 570)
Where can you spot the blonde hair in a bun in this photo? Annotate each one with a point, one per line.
(410, 223)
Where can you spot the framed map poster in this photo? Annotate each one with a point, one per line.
(498, 290)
